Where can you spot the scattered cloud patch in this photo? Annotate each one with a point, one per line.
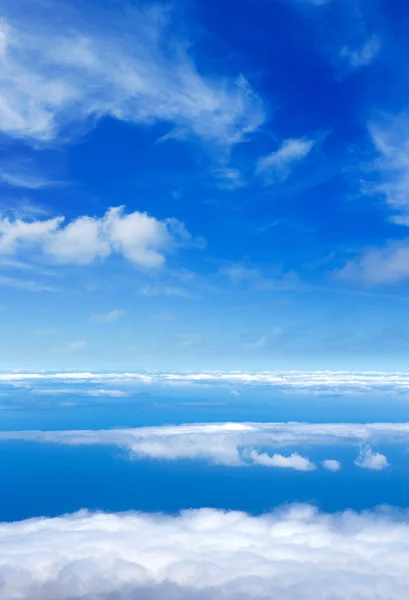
(277, 166)
(138, 237)
(364, 55)
(112, 315)
(385, 266)
(294, 461)
(331, 465)
(290, 553)
(368, 459)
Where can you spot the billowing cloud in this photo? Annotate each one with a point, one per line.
(140, 238)
(291, 553)
(277, 166)
(129, 64)
(232, 444)
(368, 459)
(294, 461)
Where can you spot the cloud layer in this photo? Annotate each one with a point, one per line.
(205, 554)
(337, 382)
(236, 444)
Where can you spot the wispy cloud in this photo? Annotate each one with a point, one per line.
(25, 284)
(256, 344)
(112, 315)
(277, 166)
(363, 55)
(378, 266)
(127, 66)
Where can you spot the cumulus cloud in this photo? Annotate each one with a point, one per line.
(140, 238)
(331, 465)
(291, 553)
(278, 165)
(294, 461)
(126, 64)
(232, 444)
(368, 459)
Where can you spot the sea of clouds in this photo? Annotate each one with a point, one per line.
(293, 553)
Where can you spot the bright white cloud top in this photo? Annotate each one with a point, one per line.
(289, 554)
(333, 382)
(236, 444)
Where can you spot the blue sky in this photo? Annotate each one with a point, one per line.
(204, 185)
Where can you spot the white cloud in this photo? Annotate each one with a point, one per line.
(112, 315)
(230, 444)
(26, 285)
(331, 465)
(140, 238)
(24, 180)
(291, 553)
(228, 178)
(126, 65)
(364, 55)
(76, 346)
(278, 165)
(294, 461)
(389, 265)
(390, 138)
(257, 344)
(311, 381)
(368, 459)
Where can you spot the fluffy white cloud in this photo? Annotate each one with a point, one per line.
(140, 238)
(277, 166)
(232, 444)
(368, 459)
(294, 461)
(126, 64)
(292, 553)
(331, 465)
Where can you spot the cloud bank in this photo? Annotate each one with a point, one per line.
(204, 554)
(333, 382)
(236, 444)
